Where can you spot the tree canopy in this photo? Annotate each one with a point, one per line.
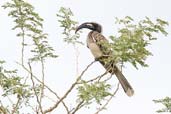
(29, 92)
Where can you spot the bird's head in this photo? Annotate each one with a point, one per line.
(90, 25)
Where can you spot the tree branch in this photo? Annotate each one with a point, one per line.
(44, 85)
(107, 102)
(69, 90)
(33, 83)
(79, 106)
(2, 109)
(43, 80)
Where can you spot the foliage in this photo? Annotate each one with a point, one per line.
(134, 38)
(167, 104)
(87, 93)
(97, 91)
(68, 26)
(14, 85)
(30, 25)
(23, 15)
(129, 46)
(42, 49)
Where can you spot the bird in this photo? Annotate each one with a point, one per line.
(102, 53)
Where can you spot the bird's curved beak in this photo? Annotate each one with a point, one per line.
(84, 25)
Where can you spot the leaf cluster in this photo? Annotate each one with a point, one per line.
(42, 48)
(134, 38)
(12, 84)
(68, 25)
(30, 25)
(24, 16)
(167, 104)
(96, 91)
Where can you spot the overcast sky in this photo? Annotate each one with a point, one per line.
(149, 83)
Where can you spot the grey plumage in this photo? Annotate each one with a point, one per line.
(95, 41)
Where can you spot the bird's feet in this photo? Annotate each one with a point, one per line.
(101, 57)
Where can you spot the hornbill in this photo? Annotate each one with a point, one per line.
(96, 43)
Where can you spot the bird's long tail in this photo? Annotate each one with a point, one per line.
(123, 81)
(113, 69)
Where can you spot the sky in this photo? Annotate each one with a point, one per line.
(148, 83)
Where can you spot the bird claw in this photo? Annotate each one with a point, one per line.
(103, 56)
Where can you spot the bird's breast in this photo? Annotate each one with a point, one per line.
(95, 50)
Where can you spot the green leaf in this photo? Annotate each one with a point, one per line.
(166, 102)
(68, 25)
(97, 91)
(131, 43)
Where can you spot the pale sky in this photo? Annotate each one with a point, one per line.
(149, 83)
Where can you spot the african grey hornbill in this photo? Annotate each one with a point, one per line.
(95, 42)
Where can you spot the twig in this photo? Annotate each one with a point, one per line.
(69, 90)
(2, 109)
(16, 104)
(10, 100)
(66, 107)
(107, 102)
(43, 81)
(23, 41)
(38, 80)
(22, 50)
(102, 76)
(37, 97)
(78, 107)
(44, 85)
(33, 108)
(108, 78)
(76, 56)
(98, 77)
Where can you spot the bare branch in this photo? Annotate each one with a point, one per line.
(108, 78)
(23, 39)
(79, 106)
(2, 109)
(76, 57)
(44, 85)
(38, 80)
(33, 83)
(16, 106)
(93, 79)
(43, 80)
(69, 90)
